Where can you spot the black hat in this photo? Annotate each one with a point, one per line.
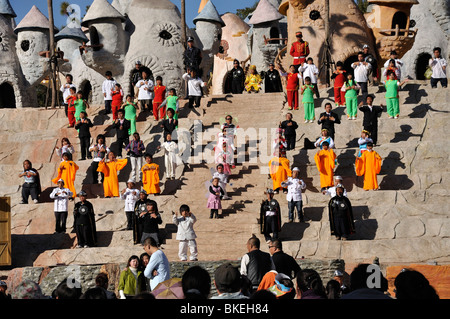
(227, 277)
(190, 39)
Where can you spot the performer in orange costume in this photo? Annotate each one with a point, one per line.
(110, 169)
(279, 172)
(325, 162)
(67, 171)
(299, 50)
(369, 165)
(150, 176)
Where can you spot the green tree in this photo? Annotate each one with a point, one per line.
(362, 5)
(243, 13)
(63, 8)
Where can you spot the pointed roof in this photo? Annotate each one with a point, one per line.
(202, 5)
(101, 9)
(34, 19)
(209, 13)
(265, 12)
(71, 33)
(6, 9)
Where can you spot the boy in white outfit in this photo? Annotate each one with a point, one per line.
(146, 88)
(309, 69)
(61, 196)
(185, 233)
(131, 196)
(170, 156)
(195, 85)
(294, 195)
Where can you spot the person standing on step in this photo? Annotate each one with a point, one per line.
(67, 171)
(122, 127)
(299, 50)
(279, 170)
(195, 85)
(309, 69)
(392, 87)
(237, 77)
(61, 197)
(369, 58)
(216, 194)
(130, 108)
(292, 85)
(170, 102)
(270, 217)
(159, 92)
(185, 233)
(170, 156)
(369, 165)
(150, 176)
(370, 120)
(170, 124)
(135, 149)
(139, 207)
(158, 267)
(66, 146)
(108, 87)
(70, 101)
(150, 219)
(325, 160)
(32, 184)
(289, 127)
(84, 222)
(116, 101)
(65, 89)
(110, 169)
(398, 63)
(363, 141)
(339, 76)
(340, 215)
(223, 179)
(136, 76)
(439, 67)
(295, 186)
(324, 138)
(83, 126)
(351, 97)
(99, 151)
(131, 196)
(361, 70)
(272, 80)
(328, 119)
(253, 80)
(308, 90)
(331, 191)
(145, 97)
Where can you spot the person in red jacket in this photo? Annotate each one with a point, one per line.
(293, 83)
(299, 50)
(339, 76)
(71, 106)
(159, 91)
(117, 97)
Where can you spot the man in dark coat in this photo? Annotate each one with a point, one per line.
(284, 263)
(84, 222)
(289, 126)
(136, 76)
(270, 217)
(328, 119)
(237, 78)
(370, 119)
(122, 126)
(192, 56)
(340, 214)
(272, 80)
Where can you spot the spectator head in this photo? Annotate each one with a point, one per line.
(150, 245)
(284, 287)
(276, 245)
(309, 279)
(263, 294)
(253, 243)
(144, 259)
(28, 289)
(133, 262)
(411, 284)
(227, 278)
(67, 291)
(360, 277)
(94, 293)
(102, 280)
(196, 283)
(333, 289)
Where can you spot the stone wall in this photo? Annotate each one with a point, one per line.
(49, 277)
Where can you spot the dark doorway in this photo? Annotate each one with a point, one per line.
(421, 65)
(7, 97)
(86, 88)
(348, 63)
(94, 39)
(401, 20)
(274, 34)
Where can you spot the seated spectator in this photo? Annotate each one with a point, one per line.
(283, 287)
(102, 281)
(411, 284)
(65, 291)
(196, 283)
(358, 285)
(227, 281)
(309, 285)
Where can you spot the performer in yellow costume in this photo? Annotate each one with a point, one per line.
(325, 162)
(110, 170)
(66, 171)
(253, 80)
(279, 172)
(150, 176)
(369, 165)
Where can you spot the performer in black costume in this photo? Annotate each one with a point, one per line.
(270, 217)
(341, 215)
(84, 222)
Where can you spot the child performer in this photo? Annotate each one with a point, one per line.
(195, 85)
(83, 125)
(84, 222)
(110, 169)
(185, 233)
(223, 155)
(223, 179)
(307, 91)
(80, 105)
(363, 141)
(159, 92)
(339, 77)
(70, 101)
(325, 162)
(130, 109)
(61, 196)
(279, 171)
(253, 80)
(309, 69)
(116, 102)
(67, 172)
(169, 124)
(392, 103)
(32, 184)
(170, 156)
(150, 176)
(369, 165)
(131, 196)
(293, 81)
(324, 138)
(66, 146)
(99, 150)
(214, 200)
(351, 96)
(135, 150)
(170, 102)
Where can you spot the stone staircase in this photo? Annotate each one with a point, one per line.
(405, 221)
